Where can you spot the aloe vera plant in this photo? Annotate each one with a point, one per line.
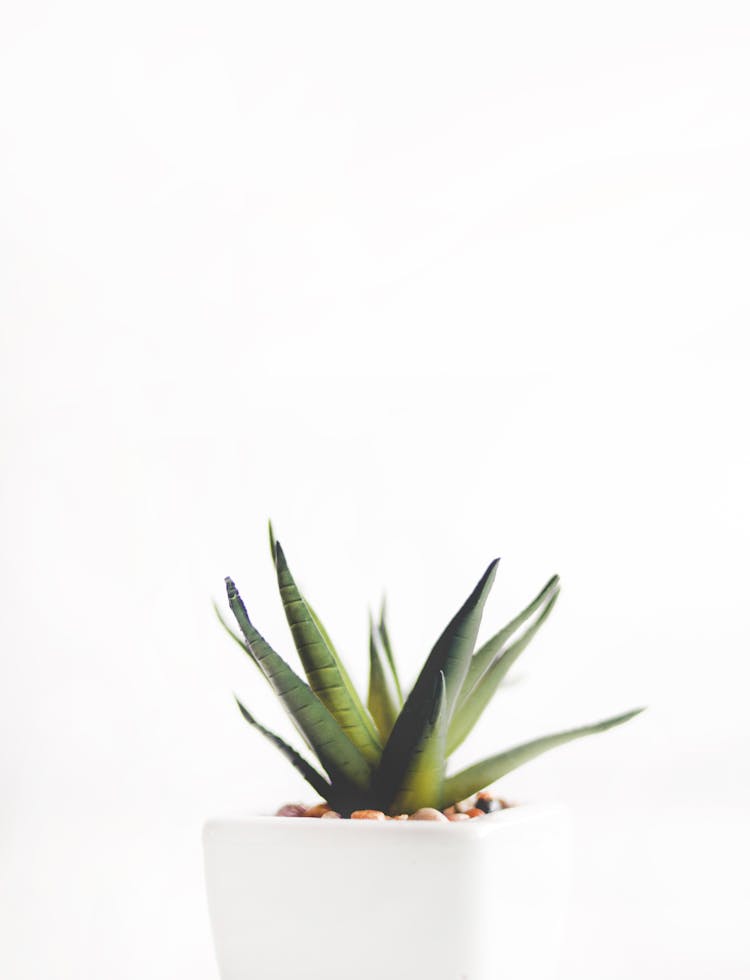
(391, 753)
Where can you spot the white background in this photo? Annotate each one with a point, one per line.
(425, 283)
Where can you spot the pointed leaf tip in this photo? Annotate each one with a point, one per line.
(485, 582)
(490, 665)
(243, 709)
(490, 570)
(486, 655)
(636, 711)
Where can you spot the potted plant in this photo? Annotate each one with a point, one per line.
(408, 872)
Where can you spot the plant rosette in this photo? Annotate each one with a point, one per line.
(404, 880)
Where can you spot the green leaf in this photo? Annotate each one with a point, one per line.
(343, 762)
(452, 652)
(385, 639)
(380, 699)
(450, 657)
(228, 629)
(272, 542)
(485, 655)
(323, 630)
(470, 710)
(464, 784)
(308, 772)
(422, 781)
(325, 672)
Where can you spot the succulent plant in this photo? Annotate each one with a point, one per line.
(391, 753)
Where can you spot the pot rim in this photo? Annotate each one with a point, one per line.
(477, 826)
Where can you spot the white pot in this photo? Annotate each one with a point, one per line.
(303, 899)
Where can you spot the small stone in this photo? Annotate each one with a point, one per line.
(291, 810)
(449, 811)
(428, 813)
(487, 803)
(455, 817)
(317, 811)
(330, 815)
(475, 812)
(401, 816)
(368, 815)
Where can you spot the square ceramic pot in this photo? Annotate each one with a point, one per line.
(306, 899)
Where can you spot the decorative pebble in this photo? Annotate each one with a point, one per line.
(318, 810)
(292, 810)
(477, 806)
(463, 806)
(487, 803)
(428, 813)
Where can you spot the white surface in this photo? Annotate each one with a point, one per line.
(426, 284)
(432, 900)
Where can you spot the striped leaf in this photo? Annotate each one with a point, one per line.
(229, 631)
(481, 775)
(343, 762)
(308, 772)
(325, 672)
(470, 710)
(323, 630)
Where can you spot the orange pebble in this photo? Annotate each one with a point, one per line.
(318, 810)
(330, 815)
(449, 811)
(475, 812)
(454, 817)
(401, 816)
(368, 815)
